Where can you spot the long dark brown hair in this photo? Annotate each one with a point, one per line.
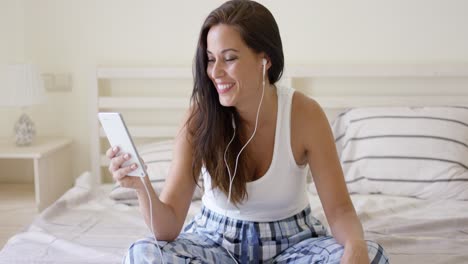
(209, 124)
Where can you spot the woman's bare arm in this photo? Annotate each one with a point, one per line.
(327, 172)
(171, 206)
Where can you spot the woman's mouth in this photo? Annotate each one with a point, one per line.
(224, 87)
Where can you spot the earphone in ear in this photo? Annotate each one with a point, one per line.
(264, 62)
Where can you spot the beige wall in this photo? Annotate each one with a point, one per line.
(11, 31)
(76, 35)
(11, 49)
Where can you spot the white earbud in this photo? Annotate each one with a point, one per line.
(264, 62)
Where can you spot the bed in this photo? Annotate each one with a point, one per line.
(96, 221)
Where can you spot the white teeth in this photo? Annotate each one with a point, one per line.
(225, 86)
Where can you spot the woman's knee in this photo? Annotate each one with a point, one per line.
(145, 250)
(377, 254)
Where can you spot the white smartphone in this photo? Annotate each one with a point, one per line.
(118, 135)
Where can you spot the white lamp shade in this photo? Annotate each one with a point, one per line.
(21, 85)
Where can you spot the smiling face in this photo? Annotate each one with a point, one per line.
(234, 68)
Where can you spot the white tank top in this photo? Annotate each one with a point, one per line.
(281, 191)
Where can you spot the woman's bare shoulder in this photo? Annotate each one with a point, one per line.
(309, 122)
(305, 108)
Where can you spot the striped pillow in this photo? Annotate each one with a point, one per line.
(157, 156)
(409, 151)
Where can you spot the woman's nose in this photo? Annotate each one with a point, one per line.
(217, 70)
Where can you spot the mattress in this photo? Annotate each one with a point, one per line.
(86, 226)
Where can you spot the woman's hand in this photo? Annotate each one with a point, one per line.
(355, 252)
(120, 173)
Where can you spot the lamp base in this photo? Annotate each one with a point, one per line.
(24, 131)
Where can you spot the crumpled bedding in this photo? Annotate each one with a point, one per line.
(413, 230)
(86, 226)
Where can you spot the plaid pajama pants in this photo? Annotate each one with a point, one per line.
(207, 238)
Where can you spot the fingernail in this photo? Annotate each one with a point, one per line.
(134, 166)
(115, 149)
(127, 156)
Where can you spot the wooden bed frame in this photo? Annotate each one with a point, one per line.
(384, 85)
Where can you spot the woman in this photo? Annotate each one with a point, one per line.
(252, 141)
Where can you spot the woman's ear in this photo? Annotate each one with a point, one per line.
(268, 64)
(265, 61)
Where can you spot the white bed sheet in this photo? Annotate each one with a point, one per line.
(85, 226)
(412, 230)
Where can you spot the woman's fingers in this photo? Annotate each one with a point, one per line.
(122, 172)
(117, 162)
(111, 152)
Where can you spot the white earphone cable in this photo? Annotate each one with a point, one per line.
(231, 178)
(151, 219)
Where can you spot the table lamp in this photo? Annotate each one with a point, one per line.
(22, 86)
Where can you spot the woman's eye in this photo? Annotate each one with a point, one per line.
(211, 60)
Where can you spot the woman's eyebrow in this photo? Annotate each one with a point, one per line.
(223, 51)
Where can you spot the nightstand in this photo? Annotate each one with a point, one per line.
(46, 164)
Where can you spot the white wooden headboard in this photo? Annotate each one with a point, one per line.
(154, 99)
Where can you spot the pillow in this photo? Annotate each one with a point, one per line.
(407, 151)
(157, 156)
